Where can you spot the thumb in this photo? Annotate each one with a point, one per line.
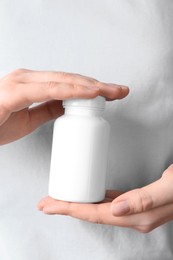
(44, 112)
(156, 194)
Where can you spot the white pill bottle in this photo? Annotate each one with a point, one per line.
(80, 152)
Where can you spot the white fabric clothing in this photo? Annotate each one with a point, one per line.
(127, 42)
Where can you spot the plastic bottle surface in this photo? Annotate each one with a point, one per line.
(79, 152)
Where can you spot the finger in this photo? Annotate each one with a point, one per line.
(4, 114)
(44, 112)
(31, 76)
(48, 200)
(109, 90)
(26, 94)
(95, 213)
(29, 120)
(151, 196)
(44, 201)
(87, 212)
(110, 194)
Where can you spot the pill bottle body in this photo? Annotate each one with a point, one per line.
(79, 156)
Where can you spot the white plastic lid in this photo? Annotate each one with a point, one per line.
(97, 103)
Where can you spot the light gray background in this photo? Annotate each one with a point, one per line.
(127, 42)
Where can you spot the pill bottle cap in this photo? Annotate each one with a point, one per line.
(94, 103)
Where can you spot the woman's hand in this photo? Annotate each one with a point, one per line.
(142, 209)
(21, 88)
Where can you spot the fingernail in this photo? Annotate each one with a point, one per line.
(125, 88)
(120, 208)
(118, 86)
(113, 85)
(93, 88)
